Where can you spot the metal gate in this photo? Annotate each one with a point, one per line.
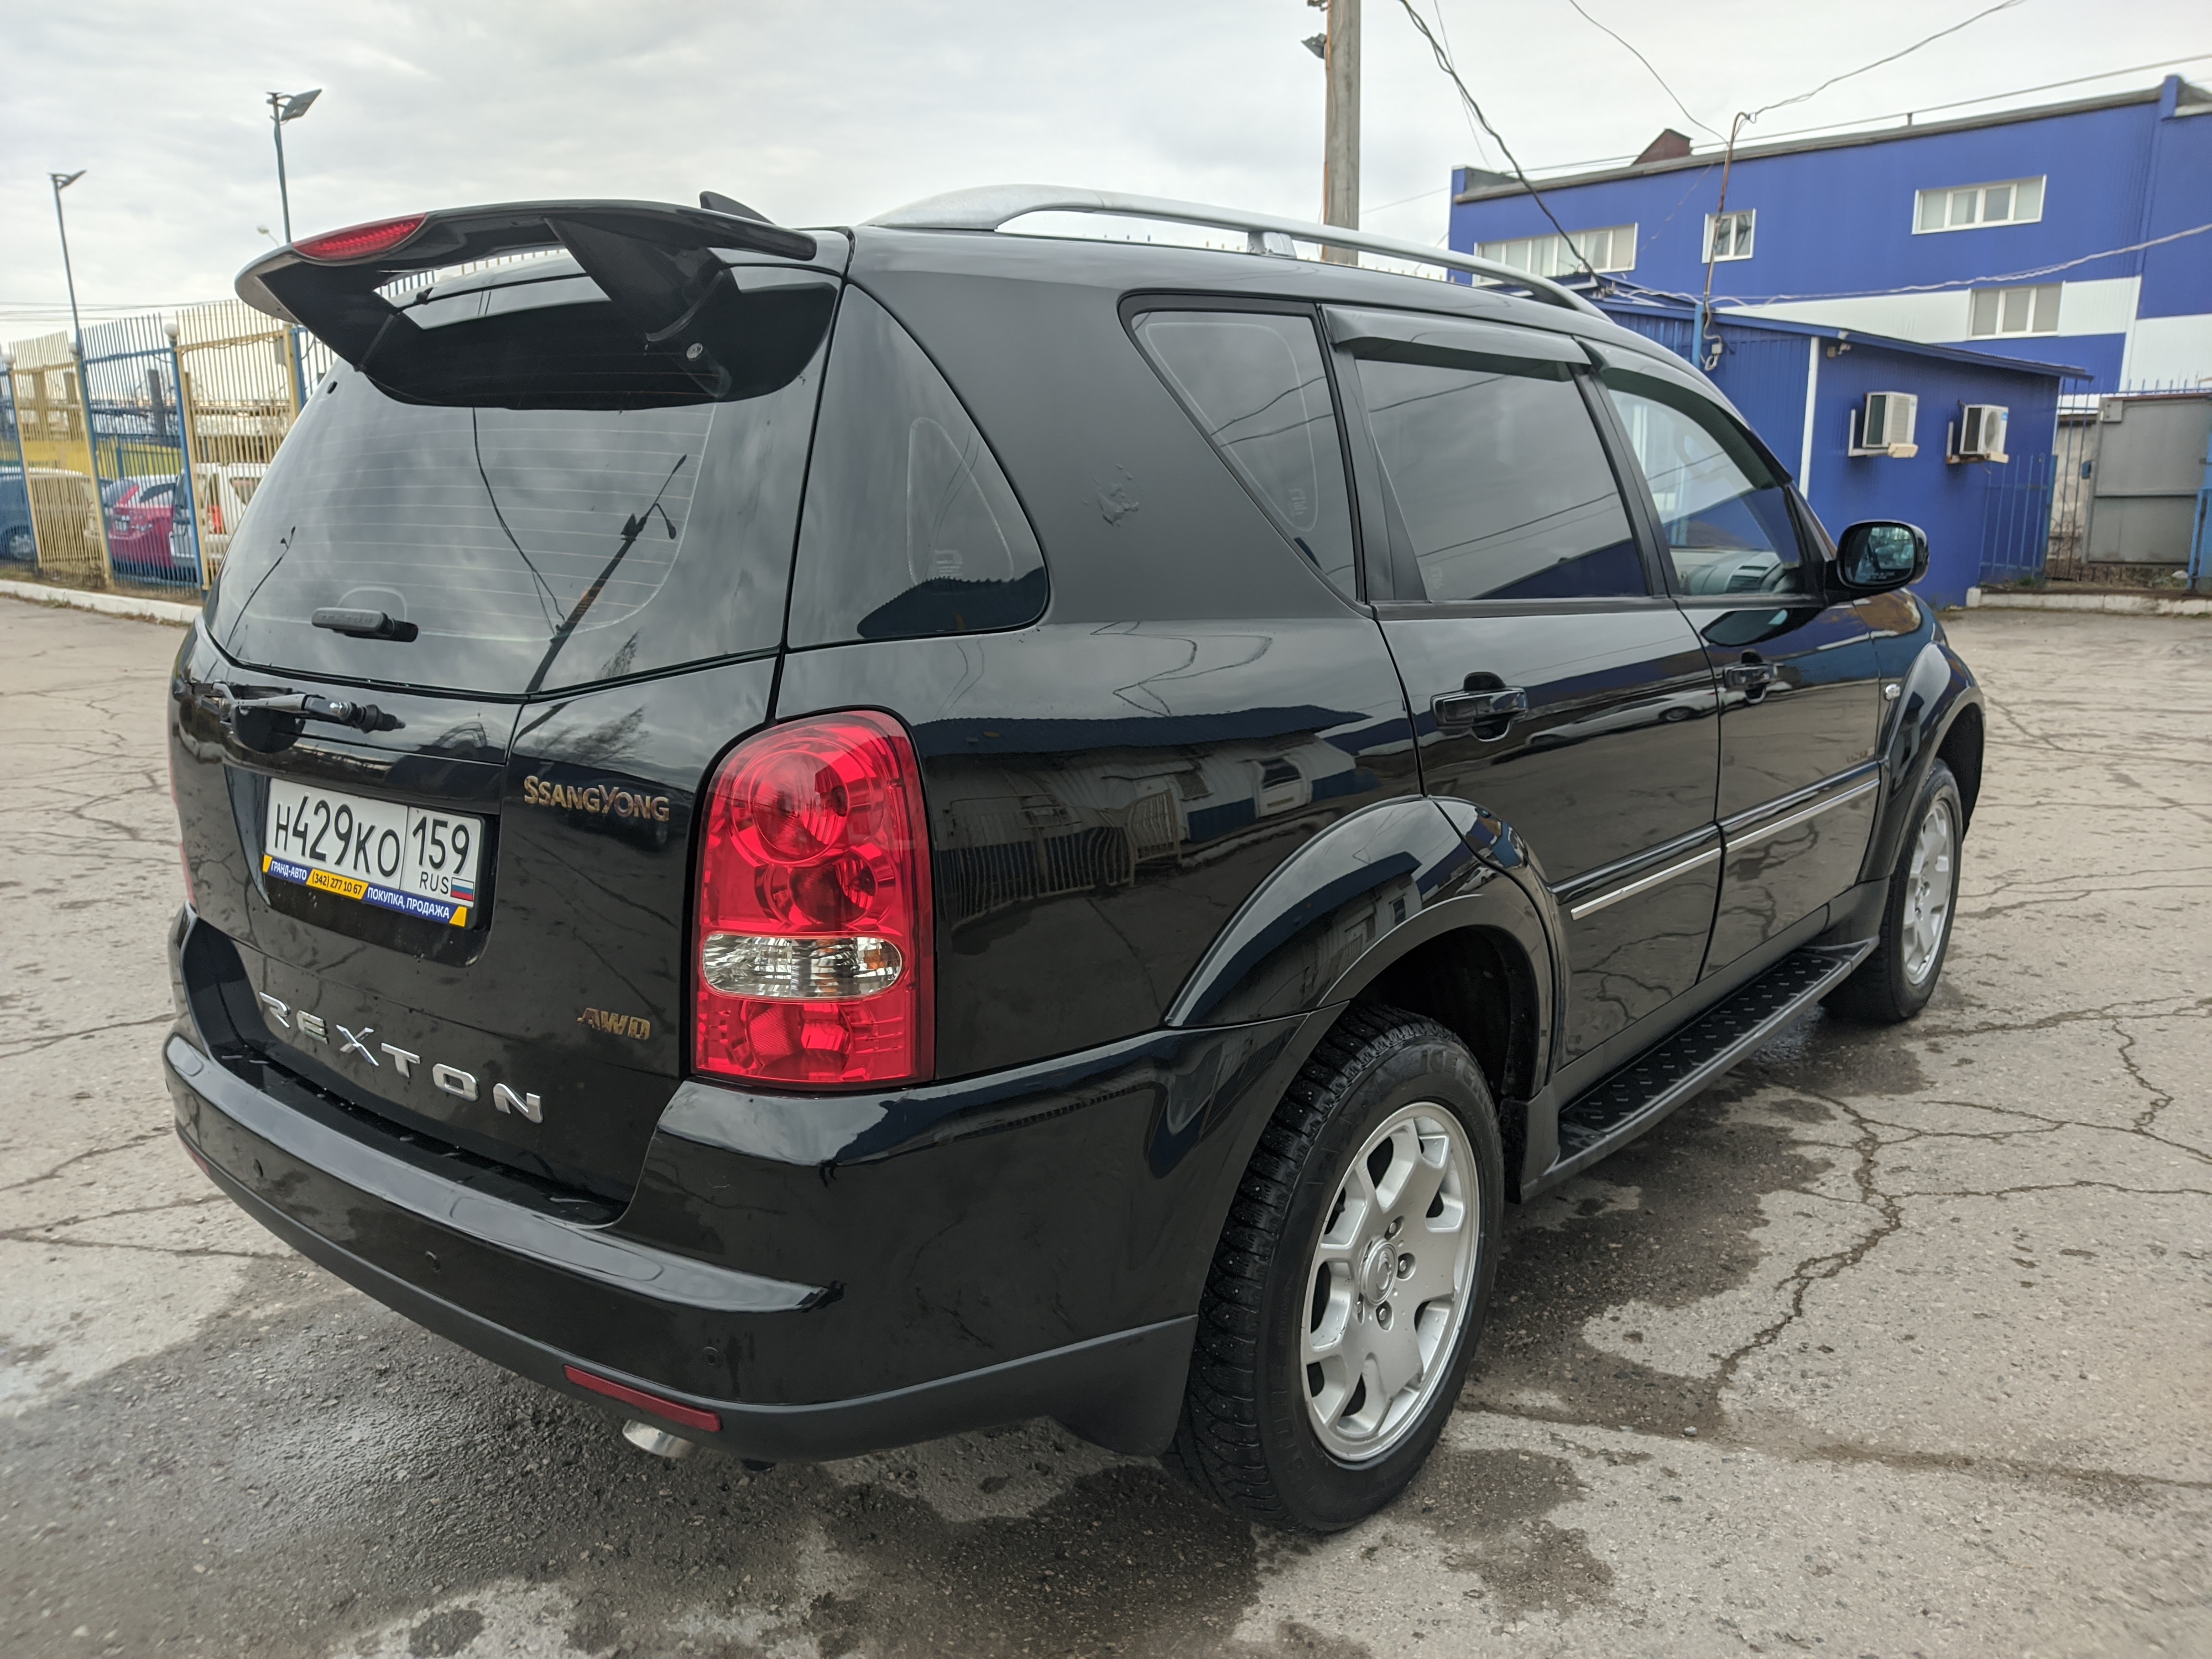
(244, 380)
(19, 539)
(140, 457)
(2016, 521)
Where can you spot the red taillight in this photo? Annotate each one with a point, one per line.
(813, 946)
(674, 1410)
(359, 241)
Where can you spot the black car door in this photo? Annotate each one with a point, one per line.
(1801, 699)
(1551, 681)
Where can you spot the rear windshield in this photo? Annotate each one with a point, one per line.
(531, 549)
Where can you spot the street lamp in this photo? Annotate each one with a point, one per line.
(62, 181)
(283, 108)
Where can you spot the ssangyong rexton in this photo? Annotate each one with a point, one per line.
(827, 837)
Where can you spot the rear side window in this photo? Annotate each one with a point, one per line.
(532, 548)
(910, 528)
(1254, 382)
(1497, 481)
(1725, 510)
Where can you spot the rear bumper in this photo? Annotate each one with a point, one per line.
(913, 1264)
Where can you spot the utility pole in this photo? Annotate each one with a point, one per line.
(1339, 168)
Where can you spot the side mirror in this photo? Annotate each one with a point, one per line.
(1878, 555)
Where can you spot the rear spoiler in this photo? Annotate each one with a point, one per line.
(654, 261)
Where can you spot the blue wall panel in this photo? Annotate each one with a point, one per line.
(1837, 223)
(1763, 373)
(1945, 499)
(2176, 278)
(2101, 354)
(1840, 221)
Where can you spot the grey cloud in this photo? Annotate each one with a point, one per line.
(824, 113)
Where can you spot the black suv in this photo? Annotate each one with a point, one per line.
(827, 837)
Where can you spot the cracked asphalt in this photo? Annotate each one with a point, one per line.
(1936, 1302)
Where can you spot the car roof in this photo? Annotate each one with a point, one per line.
(1134, 268)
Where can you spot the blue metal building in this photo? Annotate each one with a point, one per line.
(2078, 233)
(1983, 495)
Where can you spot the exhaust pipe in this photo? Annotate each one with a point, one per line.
(652, 1437)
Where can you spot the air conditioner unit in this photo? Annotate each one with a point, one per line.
(1982, 432)
(1885, 426)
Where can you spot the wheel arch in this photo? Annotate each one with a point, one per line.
(1936, 715)
(1479, 982)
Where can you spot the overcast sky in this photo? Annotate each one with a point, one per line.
(822, 113)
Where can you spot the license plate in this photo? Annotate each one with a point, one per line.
(418, 862)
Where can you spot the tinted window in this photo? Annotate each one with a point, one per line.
(1725, 510)
(532, 547)
(1254, 382)
(543, 523)
(910, 527)
(1498, 485)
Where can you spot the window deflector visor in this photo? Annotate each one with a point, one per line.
(1415, 336)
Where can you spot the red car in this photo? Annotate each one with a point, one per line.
(146, 535)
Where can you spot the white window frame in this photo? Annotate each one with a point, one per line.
(1995, 296)
(1743, 242)
(1520, 252)
(1981, 194)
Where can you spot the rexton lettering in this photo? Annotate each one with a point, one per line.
(449, 1079)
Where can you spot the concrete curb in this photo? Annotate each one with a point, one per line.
(2126, 605)
(108, 604)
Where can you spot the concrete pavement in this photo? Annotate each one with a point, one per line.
(1937, 1302)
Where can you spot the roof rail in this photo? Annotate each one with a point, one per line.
(991, 206)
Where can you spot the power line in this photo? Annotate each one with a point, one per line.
(1991, 98)
(1646, 62)
(1987, 11)
(1436, 11)
(1745, 117)
(1444, 62)
(1974, 281)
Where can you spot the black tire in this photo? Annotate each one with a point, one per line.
(1883, 992)
(1245, 1438)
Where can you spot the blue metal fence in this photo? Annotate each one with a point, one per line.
(18, 543)
(2017, 520)
(141, 454)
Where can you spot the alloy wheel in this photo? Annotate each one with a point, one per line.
(1929, 880)
(1389, 1282)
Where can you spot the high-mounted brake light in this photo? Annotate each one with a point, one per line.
(813, 961)
(338, 247)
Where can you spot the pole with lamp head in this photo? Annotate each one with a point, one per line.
(291, 106)
(287, 106)
(62, 181)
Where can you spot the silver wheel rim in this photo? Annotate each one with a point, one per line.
(1929, 879)
(1389, 1284)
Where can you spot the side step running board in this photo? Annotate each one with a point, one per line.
(1615, 1111)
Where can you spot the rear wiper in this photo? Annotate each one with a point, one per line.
(632, 527)
(269, 723)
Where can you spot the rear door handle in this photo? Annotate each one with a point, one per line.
(1747, 676)
(1476, 707)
